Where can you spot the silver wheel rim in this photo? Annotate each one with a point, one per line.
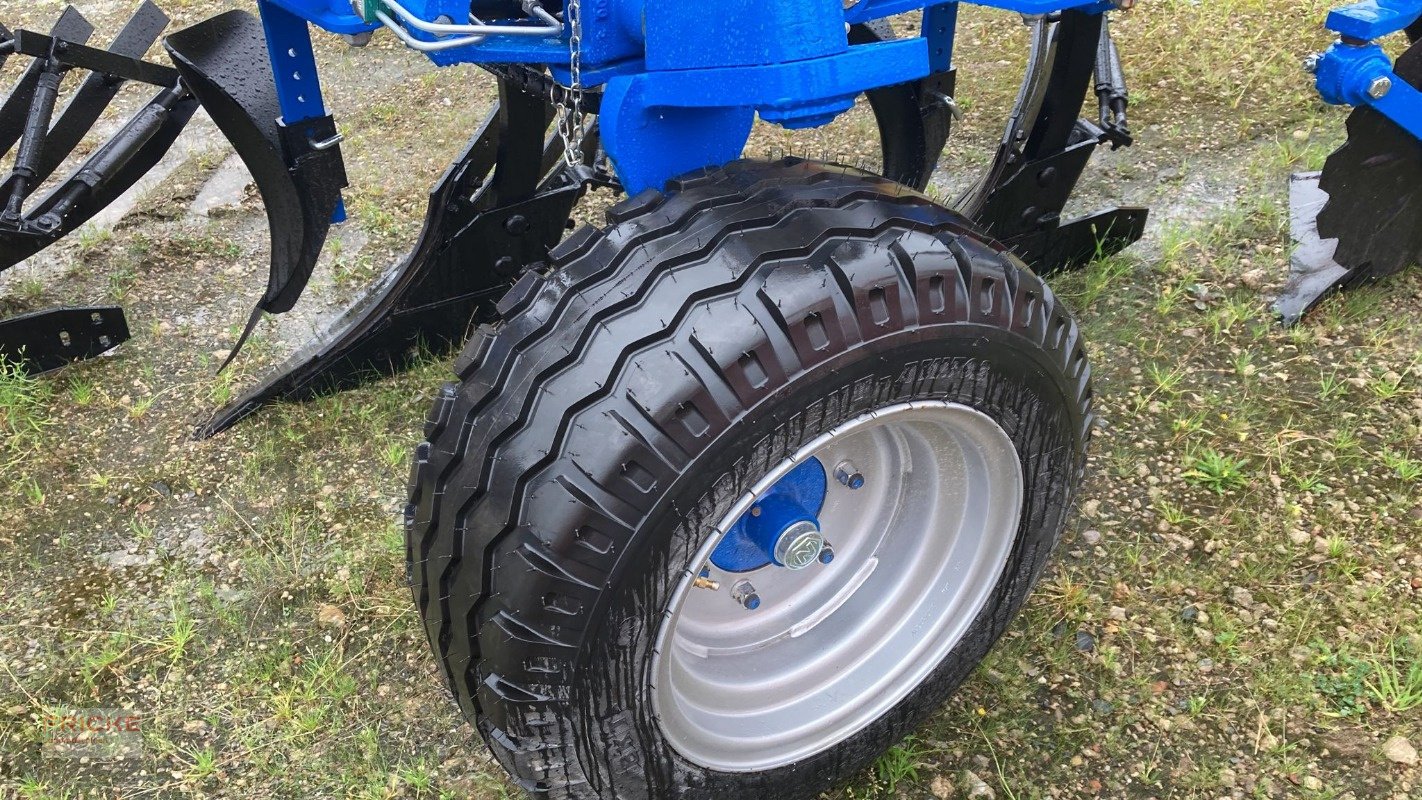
(918, 551)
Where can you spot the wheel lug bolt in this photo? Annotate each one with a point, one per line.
(744, 593)
(826, 554)
(849, 475)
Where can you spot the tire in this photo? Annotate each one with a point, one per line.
(634, 392)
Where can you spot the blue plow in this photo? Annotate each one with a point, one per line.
(630, 98)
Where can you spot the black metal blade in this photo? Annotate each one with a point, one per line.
(95, 94)
(465, 259)
(47, 340)
(1374, 187)
(223, 62)
(1022, 196)
(71, 27)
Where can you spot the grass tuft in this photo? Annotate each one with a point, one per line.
(1396, 682)
(900, 764)
(1217, 472)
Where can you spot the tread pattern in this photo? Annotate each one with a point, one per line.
(564, 430)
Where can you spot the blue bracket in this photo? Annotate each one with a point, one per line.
(298, 84)
(661, 124)
(335, 16)
(1357, 72)
(1374, 19)
(1402, 105)
(940, 30)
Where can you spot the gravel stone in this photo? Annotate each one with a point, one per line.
(976, 787)
(1400, 751)
(1085, 642)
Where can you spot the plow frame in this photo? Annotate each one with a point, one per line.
(667, 108)
(656, 109)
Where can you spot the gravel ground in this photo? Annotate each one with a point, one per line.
(1234, 614)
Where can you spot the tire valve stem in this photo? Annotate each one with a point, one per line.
(703, 581)
(849, 475)
(744, 593)
(826, 553)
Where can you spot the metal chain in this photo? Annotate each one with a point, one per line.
(570, 109)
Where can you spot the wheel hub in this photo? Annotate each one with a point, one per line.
(782, 529)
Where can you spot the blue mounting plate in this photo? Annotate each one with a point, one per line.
(798, 496)
(1374, 19)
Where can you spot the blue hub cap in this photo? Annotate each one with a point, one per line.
(782, 529)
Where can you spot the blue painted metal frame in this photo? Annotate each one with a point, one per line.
(298, 81)
(682, 82)
(335, 16)
(1354, 64)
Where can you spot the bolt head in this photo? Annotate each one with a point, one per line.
(517, 225)
(1380, 86)
(849, 475)
(744, 593)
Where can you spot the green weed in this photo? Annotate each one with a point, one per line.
(901, 763)
(1217, 472)
(1396, 680)
(24, 406)
(1408, 469)
(1341, 680)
